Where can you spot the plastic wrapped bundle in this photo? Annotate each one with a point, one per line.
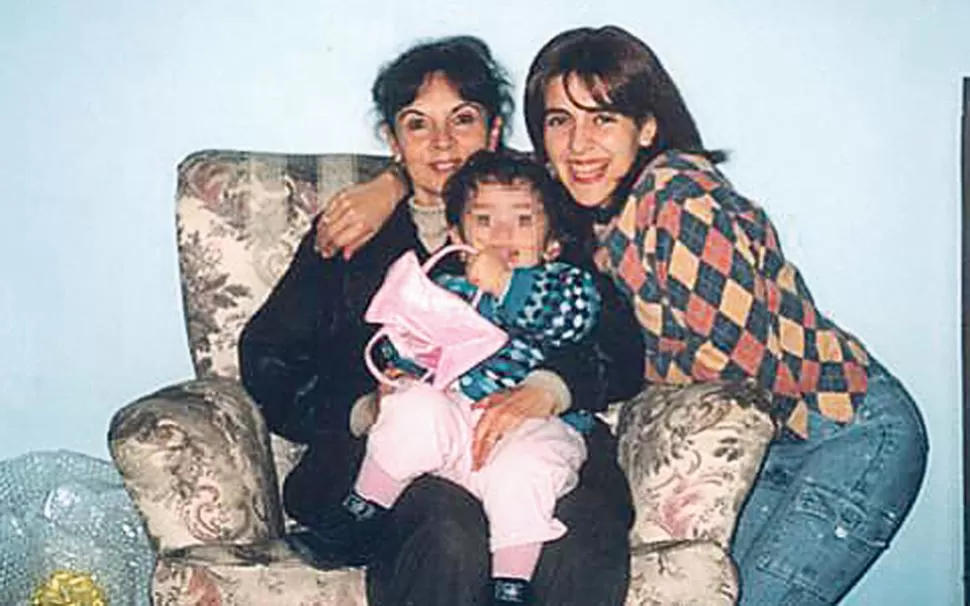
(69, 534)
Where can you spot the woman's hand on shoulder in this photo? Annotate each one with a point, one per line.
(505, 411)
(356, 213)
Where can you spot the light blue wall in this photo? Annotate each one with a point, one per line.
(843, 121)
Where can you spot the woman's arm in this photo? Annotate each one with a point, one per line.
(590, 339)
(356, 213)
(605, 367)
(296, 353)
(701, 296)
(608, 365)
(718, 300)
(587, 374)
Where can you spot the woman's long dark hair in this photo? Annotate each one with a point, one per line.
(623, 75)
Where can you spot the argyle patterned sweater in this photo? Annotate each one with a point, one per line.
(544, 307)
(717, 299)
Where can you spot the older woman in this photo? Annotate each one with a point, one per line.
(301, 360)
(717, 299)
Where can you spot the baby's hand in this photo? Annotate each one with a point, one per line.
(489, 271)
(395, 374)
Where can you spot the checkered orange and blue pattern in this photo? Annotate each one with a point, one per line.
(718, 300)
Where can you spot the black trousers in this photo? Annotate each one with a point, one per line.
(436, 552)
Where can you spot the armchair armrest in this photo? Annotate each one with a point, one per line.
(195, 459)
(261, 573)
(691, 454)
(682, 573)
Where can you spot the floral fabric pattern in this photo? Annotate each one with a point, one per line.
(227, 575)
(683, 573)
(205, 475)
(196, 461)
(691, 454)
(240, 217)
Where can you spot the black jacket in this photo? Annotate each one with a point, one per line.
(301, 354)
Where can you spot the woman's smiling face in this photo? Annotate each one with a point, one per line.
(590, 148)
(435, 134)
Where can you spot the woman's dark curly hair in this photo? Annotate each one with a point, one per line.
(465, 61)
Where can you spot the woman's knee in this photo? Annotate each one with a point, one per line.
(588, 566)
(443, 521)
(437, 552)
(323, 476)
(451, 540)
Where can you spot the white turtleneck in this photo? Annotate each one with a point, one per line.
(430, 223)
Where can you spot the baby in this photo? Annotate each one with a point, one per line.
(507, 208)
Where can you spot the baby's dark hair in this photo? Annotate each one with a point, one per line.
(507, 167)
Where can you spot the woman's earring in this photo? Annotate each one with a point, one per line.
(552, 251)
(397, 168)
(551, 170)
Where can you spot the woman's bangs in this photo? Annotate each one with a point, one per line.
(599, 86)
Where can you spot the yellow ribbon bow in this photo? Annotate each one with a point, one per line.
(69, 588)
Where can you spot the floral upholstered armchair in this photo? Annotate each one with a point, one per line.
(205, 474)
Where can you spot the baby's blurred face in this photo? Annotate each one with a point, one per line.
(508, 219)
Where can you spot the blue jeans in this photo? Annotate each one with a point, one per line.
(823, 509)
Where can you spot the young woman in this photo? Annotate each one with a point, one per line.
(717, 299)
(301, 360)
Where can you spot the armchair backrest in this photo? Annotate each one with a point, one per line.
(240, 216)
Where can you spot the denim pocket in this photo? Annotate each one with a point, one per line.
(824, 542)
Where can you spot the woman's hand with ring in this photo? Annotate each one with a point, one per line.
(355, 214)
(504, 412)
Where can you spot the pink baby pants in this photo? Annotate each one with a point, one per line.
(422, 430)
